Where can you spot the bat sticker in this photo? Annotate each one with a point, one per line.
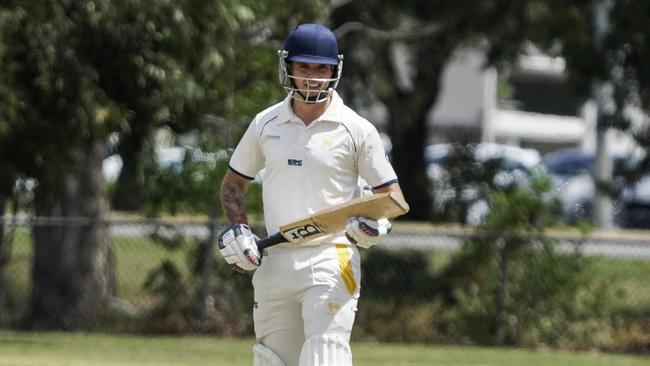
(303, 231)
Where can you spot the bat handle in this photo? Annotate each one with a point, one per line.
(270, 241)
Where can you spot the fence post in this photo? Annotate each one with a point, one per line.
(4, 262)
(208, 258)
(8, 226)
(504, 247)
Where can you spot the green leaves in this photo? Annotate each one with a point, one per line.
(73, 72)
(522, 210)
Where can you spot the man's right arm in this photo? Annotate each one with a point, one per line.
(237, 243)
(232, 197)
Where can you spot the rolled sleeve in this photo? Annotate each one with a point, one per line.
(373, 163)
(247, 159)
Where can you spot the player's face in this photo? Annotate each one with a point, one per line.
(307, 75)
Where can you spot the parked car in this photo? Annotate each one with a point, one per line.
(166, 158)
(572, 171)
(463, 175)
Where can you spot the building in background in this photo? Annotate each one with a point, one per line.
(531, 107)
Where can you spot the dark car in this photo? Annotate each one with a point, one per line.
(572, 173)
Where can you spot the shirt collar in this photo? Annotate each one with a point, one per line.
(333, 113)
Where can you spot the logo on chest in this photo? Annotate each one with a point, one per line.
(327, 143)
(295, 162)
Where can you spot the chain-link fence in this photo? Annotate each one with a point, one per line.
(422, 284)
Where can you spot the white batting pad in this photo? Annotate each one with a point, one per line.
(326, 350)
(264, 356)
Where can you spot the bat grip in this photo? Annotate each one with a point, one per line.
(270, 241)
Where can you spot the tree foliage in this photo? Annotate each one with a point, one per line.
(51, 105)
(74, 73)
(132, 66)
(77, 73)
(396, 52)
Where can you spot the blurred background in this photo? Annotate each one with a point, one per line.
(519, 131)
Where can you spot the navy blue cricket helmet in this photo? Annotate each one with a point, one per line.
(313, 44)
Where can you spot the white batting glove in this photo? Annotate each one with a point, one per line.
(366, 232)
(238, 247)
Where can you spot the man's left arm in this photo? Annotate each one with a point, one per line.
(374, 168)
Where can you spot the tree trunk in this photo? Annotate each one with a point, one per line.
(408, 107)
(73, 279)
(408, 137)
(408, 112)
(129, 187)
(130, 183)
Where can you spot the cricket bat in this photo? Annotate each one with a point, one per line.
(333, 219)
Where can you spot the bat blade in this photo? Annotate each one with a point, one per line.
(334, 219)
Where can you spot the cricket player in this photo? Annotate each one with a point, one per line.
(312, 149)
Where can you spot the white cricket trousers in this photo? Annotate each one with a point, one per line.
(302, 292)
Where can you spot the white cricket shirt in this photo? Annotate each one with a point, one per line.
(310, 168)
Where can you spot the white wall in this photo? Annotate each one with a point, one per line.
(463, 94)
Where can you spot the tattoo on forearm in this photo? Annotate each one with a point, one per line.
(232, 200)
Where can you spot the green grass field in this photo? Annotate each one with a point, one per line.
(77, 349)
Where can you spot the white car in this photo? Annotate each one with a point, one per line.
(463, 175)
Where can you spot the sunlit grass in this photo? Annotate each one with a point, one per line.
(77, 349)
